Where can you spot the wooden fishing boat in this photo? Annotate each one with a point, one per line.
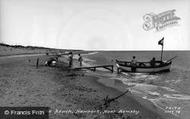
(143, 67)
(146, 67)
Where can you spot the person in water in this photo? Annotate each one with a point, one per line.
(133, 64)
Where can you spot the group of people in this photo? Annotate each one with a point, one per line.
(52, 61)
(80, 59)
(134, 63)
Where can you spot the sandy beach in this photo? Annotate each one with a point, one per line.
(69, 94)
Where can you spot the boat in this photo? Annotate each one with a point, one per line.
(143, 67)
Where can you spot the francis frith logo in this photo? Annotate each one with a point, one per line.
(160, 21)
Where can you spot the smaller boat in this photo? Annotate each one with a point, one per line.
(51, 62)
(143, 67)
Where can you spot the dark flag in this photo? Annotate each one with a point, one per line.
(161, 42)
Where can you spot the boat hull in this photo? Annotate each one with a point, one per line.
(162, 68)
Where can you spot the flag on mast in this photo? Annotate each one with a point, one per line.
(161, 42)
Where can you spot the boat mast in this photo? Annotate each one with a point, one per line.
(162, 52)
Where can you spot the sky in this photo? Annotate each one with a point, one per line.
(92, 24)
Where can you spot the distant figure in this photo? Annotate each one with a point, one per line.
(37, 62)
(80, 59)
(153, 61)
(70, 59)
(133, 64)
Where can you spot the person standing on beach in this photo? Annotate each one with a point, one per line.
(70, 59)
(80, 59)
(133, 64)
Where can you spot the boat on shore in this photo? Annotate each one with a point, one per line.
(143, 67)
(146, 67)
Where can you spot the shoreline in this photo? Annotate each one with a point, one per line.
(145, 104)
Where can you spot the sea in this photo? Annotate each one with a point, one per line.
(168, 91)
